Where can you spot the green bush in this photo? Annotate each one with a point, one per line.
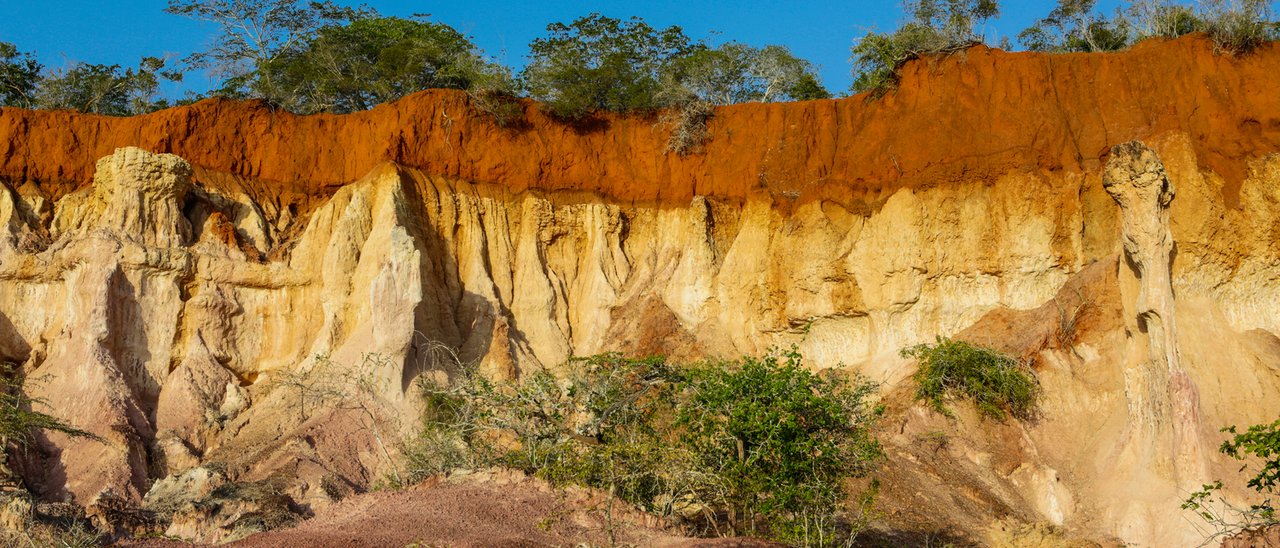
(1163, 19)
(1074, 25)
(1239, 26)
(781, 439)
(601, 63)
(758, 446)
(935, 27)
(1261, 445)
(997, 384)
(372, 59)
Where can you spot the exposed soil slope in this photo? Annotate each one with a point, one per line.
(979, 113)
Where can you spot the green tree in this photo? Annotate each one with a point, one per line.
(105, 89)
(375, 59)
(599, 63)
(1074, 25)
(1162, 19)
(738, 73)
(251, 35)
(1238, 26)
(19, 76)
(933, 27)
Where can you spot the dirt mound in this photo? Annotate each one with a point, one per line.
(492, 508)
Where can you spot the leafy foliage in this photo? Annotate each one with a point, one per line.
(19, 76)
(373, 59)
(1074, 25)
(19, 421)
(252, 34)
(738, 73)
(934, 27)
(997, 384)
(781, 438)
(1238, 26)
(601, 63)
(1259, 444)
(757, 446)
(1162, 19)
(106, 89)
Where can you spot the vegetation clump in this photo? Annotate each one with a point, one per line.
(1259, 445)
(996, 384)
(756, 446)
(933, 27)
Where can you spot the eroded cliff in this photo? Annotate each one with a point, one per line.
(183, 281)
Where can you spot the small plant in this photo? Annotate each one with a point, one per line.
(689, 126)
(1069, 318)
(997, 384)
(1261, 444)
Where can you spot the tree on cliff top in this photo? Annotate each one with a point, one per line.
(19, 75)
(105, 89)
(251, 35)
(738, 73)
(934, 27)
(374, 59)
(601, 63)
(1074, 25)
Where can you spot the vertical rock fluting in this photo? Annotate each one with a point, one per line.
(1162, 399)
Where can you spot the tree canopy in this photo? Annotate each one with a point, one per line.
(932, 27)
(375, 59)
(19, 76)
(602, 63)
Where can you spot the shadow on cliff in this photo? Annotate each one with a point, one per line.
(13, 347)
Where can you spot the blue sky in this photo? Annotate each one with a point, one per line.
(121, 31)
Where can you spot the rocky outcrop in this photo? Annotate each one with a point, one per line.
(266, 305)
(1163, 400)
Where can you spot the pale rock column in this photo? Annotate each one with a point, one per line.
(1162, 398)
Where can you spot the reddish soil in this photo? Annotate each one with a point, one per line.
(491, 509)
(980, 112)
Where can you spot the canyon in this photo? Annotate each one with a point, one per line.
(181, 283)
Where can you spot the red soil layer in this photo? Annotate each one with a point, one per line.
(977, 114)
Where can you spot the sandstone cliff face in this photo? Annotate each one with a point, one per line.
(210, 306)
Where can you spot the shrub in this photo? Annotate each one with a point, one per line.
(782, 439)
(757, 446)
(1238, 26)
(1260, 444)
(1163, 19)
(1074, 26)
(688, 124)
(19, 420)
(997, 384)
(601, 63)
(935, 27)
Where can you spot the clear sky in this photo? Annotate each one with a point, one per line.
(121, 31)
